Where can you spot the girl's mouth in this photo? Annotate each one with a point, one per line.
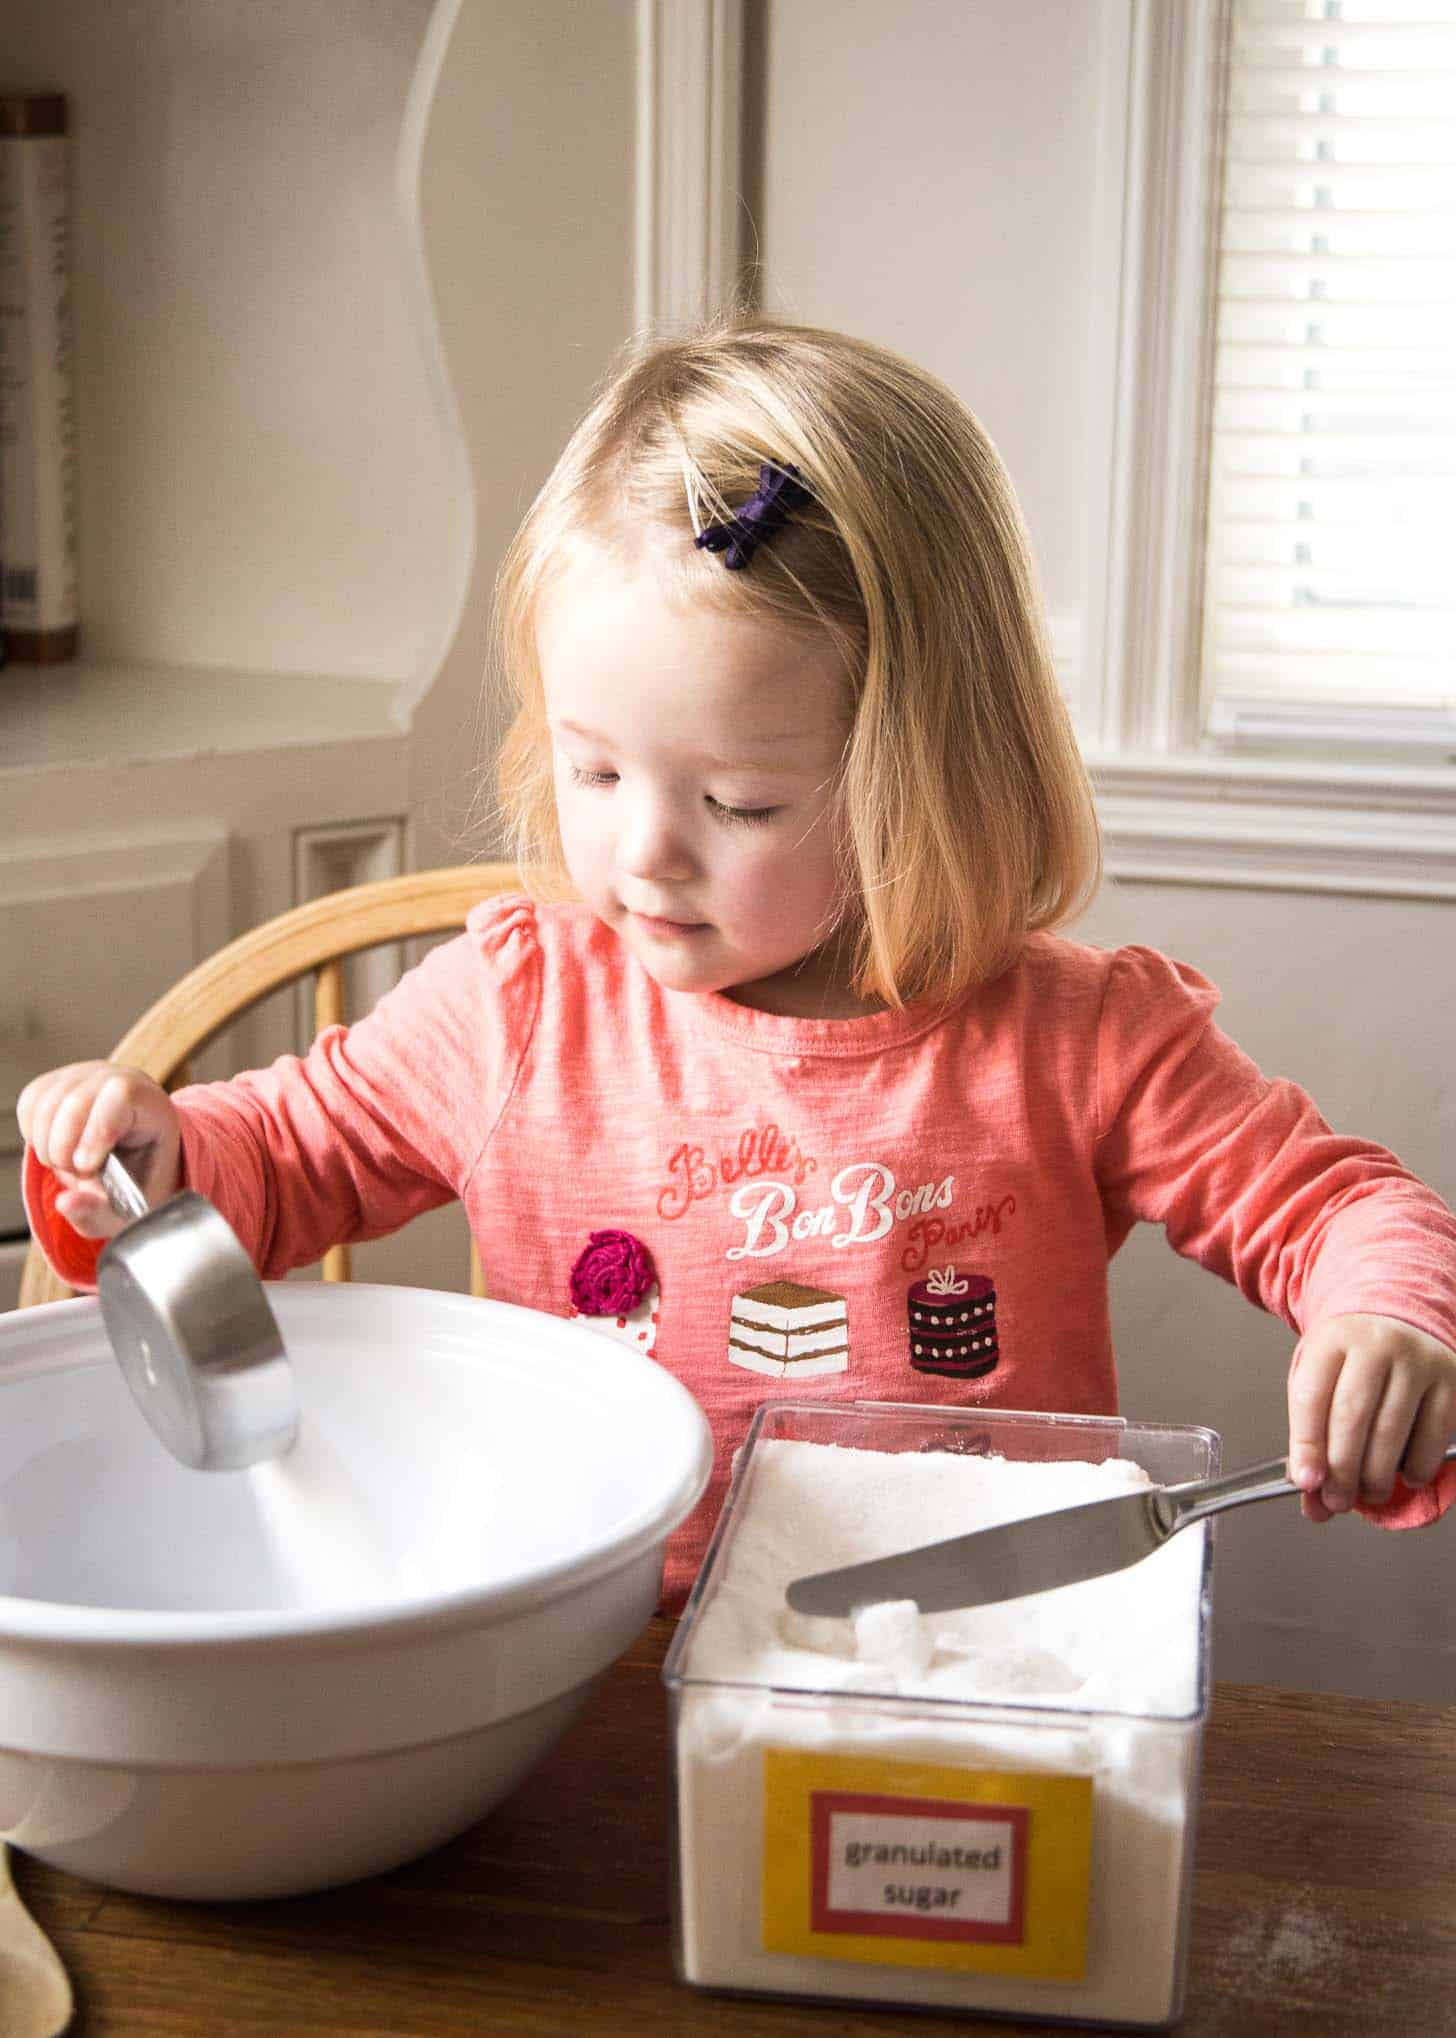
(668, 930)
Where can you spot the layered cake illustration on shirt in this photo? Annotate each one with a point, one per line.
(953, 1324)
(789, 1330)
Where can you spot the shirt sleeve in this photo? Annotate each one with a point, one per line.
(379, 1122)
(1247, 1178)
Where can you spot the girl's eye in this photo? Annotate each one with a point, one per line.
(748, 815)
(580, 776)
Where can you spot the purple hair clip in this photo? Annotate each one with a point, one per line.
(780, 492)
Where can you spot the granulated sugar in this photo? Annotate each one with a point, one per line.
(1097, 1681)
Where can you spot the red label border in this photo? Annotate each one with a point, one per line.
(823, 1804)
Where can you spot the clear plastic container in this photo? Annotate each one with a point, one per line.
(1018, 1859)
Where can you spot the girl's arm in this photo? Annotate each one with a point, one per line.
(1328, 1231)
(378, 1122)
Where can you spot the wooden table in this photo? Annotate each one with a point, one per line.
(1324, 1903)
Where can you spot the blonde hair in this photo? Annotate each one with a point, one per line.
(966, 815)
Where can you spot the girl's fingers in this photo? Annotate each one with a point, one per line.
(1312, 1378)
(89, 1211)
(75, 1116)
(53, 1110)
(33, 1108)
(1430, 1434)
(1370, 1399)
(29, 1100)
(53, 1118)
(68, 1122)
(1354, 1406)
(1390, 1434)
(111, 1117)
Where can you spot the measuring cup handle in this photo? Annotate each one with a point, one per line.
(125, 1198)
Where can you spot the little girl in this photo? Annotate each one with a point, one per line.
(796, 1089)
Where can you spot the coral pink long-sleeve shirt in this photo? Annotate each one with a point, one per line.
(911, 1206)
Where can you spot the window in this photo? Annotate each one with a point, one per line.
(1194, 783)
(1329, 598)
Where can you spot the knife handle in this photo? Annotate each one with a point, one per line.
(1202, 1497)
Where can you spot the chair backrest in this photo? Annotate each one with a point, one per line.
(311, 940)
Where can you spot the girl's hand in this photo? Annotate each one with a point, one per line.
(75, 1116)
(1368, 1397)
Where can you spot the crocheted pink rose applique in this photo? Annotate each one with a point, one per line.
(614, 1288)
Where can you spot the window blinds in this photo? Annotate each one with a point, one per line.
(1330, 590)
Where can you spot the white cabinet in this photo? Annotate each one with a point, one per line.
(346, 272)
(82, 929)
(271, 496)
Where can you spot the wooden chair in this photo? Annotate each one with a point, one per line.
(311, 940)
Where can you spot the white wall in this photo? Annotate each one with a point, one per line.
(930, 181)
(930, 176)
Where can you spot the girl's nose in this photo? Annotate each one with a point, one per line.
(653, 846)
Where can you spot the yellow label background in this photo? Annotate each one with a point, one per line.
(1058, 1862)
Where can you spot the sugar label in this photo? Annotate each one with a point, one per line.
(917, 1867)
(913, 1864)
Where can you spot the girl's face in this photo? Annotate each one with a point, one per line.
(695, 758)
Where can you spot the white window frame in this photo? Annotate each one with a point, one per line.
(1176, 807)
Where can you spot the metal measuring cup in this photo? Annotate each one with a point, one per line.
(193, 1331)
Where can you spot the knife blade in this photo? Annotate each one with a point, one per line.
(1036, 1554)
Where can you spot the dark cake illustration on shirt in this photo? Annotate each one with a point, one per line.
(789, 1330)
(953, 1324)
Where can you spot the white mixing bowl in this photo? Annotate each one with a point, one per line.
(248, 1684)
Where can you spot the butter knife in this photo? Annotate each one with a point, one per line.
(1041, 1552)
